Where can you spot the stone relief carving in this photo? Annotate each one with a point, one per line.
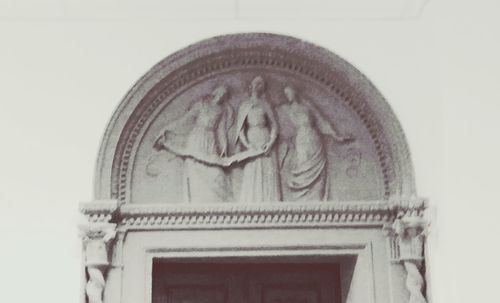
(353, 157)
(258, 130)
(309, 177)
(200, 137)
(204, 127)
(334, 87)
(205, 150)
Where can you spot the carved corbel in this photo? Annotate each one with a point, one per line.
(97, 235)
(407, 234)
(97, 240)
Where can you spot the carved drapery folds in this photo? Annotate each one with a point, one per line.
(97, 235)
(407, 237)
(296, 156)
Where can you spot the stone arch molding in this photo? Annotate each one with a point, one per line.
(375, 165)
(243, 119)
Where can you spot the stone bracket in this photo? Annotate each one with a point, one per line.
(97, 234)
(406, 236)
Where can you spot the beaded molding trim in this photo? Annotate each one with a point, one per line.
(99, 211)
(228, 215)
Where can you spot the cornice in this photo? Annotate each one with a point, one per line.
(262, 215)
(256, 216)
(99, 211)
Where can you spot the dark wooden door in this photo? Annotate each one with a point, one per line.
(245, 283)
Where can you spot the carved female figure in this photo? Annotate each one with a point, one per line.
(205, 147)
(309, 178)
(258, 130)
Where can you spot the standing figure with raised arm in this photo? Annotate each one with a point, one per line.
(203, 128)
(309, 177)
(258, 130)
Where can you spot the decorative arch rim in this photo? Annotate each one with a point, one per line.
(121, 135)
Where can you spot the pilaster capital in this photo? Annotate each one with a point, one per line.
(96, 238)
(407, 232)
(410, 233)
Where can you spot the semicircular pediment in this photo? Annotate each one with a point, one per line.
(253, 118)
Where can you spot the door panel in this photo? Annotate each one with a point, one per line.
(245, 283)
(290, 294)
(196, 294)
(294, 283)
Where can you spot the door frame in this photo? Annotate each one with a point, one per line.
(363, 252)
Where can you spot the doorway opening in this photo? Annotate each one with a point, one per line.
(254, 280)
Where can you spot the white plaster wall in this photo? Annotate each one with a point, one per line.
(61, 78)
